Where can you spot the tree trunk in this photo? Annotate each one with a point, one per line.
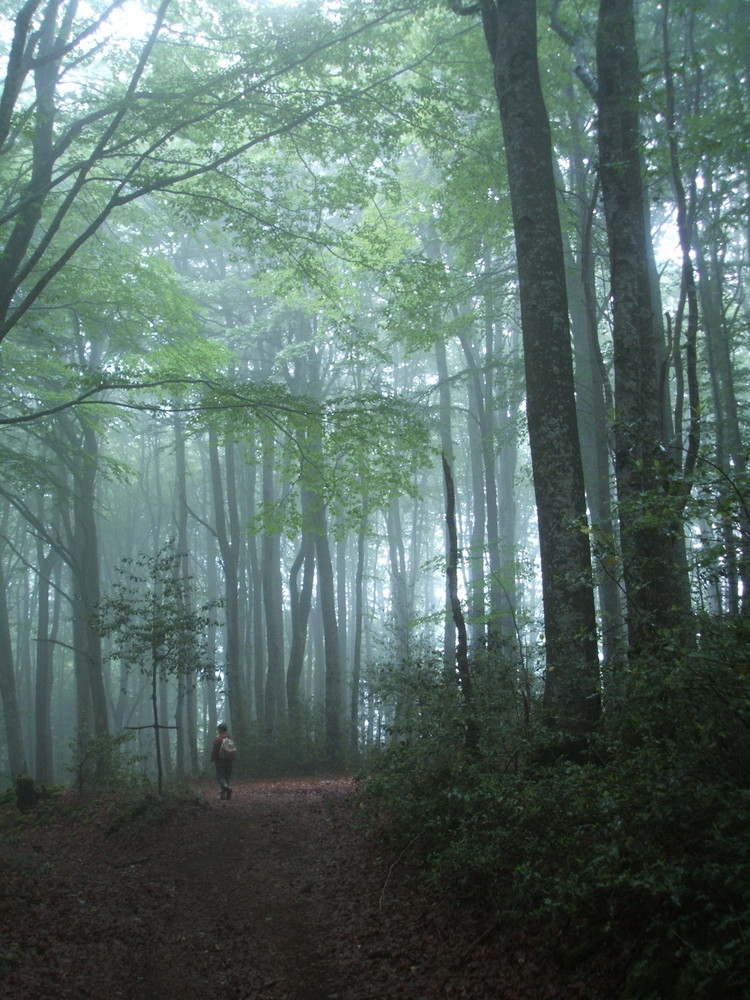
(186, 718)
(460, 646)
(229, 547)
(400, 604)
(572, 681)
(655, 584)
(300, 599)
(594, 404)
(504, 582)
(44, 769)
(446, 445)
(730, 455)
(274, 692)
(317, 524)
(479, 551)
(357, 645)
(11, 716)
(335, 743)
(92, 708)
(257, 636)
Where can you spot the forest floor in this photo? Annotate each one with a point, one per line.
(278, 894)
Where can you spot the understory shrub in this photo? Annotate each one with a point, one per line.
(104, 761)
(640, 841)
(132, 809)
(291, 747)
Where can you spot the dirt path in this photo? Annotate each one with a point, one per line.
(250, 894)
(275, 895)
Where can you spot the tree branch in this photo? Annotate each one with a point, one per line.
(583, 68)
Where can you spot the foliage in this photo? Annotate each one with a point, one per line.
(104, 761)
(153, 624)
(138, 807)
(150, 618)
(293, 747)
(636, 841)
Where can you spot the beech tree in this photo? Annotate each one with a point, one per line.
(650, 519)
(571, 685)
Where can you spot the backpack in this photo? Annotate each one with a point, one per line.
(228, 749)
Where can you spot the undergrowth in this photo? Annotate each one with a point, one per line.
(113, 809)
(636, 845)
(149, 809)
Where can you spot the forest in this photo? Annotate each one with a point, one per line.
(374, 380)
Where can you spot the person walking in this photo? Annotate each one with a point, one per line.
(223, 752)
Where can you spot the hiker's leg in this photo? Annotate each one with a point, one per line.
(221, 777)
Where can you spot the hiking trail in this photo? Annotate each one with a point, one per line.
(277, 894)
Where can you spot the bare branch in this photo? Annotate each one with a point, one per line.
(583, 69)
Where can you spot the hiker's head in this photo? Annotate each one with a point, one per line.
(222, 727)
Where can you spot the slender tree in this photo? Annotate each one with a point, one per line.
(148, 617)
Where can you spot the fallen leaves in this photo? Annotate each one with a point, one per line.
(276, 895)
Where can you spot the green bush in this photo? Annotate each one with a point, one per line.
(104, 761)
(133, 808)
(640, 839)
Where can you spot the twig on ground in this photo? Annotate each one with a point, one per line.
(480, 939)
(405, 851)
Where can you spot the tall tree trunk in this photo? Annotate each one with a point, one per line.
(476, 603)
(47, 564)
(594, 403)
(358, 625)
(274, 692)
(317, 523)
(504, 582)
(446, 446)
(11, 716)
(572, 674)
(92, 708)
(156, 723)
(499, 631)
(257, 636)
(730, 454)
(300, 599)
(342, 605)
(186, 718)
(161, 731)
(656, 584)
(499, 492)
(460, 646)
(229, 546)
(335, 741)
(212, 587)
(399, 588)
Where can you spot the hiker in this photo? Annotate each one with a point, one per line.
(223, 752)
